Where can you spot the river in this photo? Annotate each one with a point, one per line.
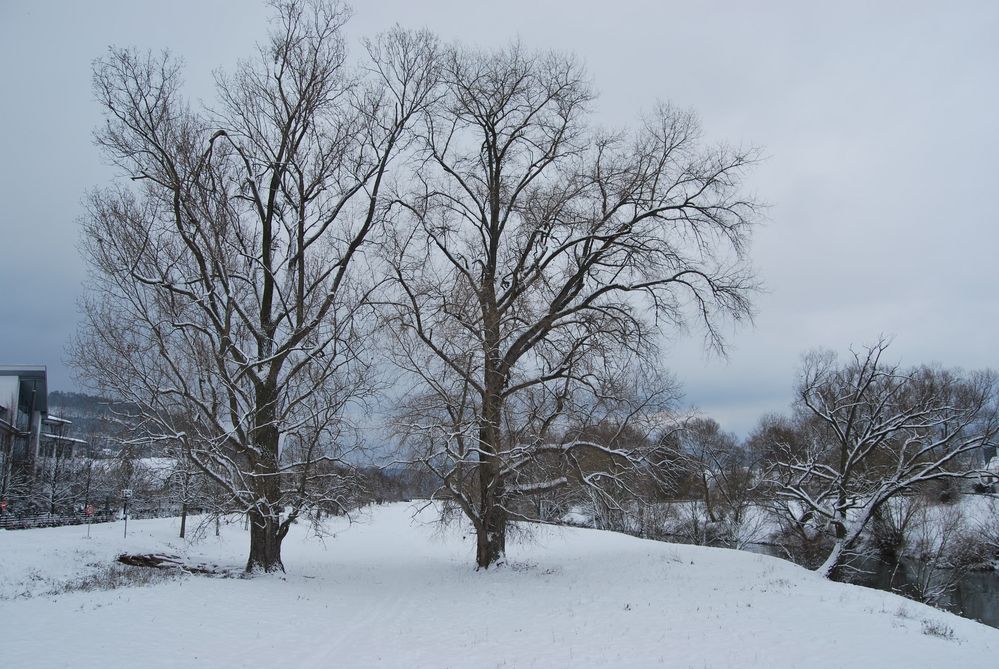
(971, 594)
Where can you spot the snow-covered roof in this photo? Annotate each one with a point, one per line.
(57, 437)
(56, 420)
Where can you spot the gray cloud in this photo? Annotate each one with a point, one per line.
(878, 121)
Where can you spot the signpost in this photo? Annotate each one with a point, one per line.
(88, 511)
(125, 495)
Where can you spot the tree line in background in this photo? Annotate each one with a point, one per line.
(454, 220)
(865, 464)
(88, 483)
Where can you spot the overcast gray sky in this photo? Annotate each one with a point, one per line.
(879, 121)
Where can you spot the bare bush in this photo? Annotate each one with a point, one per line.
(113, 576)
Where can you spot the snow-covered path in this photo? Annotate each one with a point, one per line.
(388, 591)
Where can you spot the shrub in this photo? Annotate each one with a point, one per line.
(113, 576)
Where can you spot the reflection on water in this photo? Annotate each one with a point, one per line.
(972, 594)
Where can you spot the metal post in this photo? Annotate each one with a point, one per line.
(126, 494)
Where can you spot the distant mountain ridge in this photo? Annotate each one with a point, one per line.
(89, 414)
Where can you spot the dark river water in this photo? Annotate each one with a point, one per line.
(972, 594)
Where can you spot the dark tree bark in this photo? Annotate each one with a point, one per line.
(183, 519)
(265, 544)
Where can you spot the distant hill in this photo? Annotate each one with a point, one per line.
(77, 403)
(90, 415)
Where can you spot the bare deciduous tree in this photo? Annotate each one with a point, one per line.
(224, 301)
(711, 465)
(536, 261)
(874, 430)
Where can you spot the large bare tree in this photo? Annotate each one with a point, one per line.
(535, 263)
(872, 430)
(224, 301)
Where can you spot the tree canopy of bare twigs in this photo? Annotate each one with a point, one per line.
(224, 293)
(717, 469)
(872, 430)
(535, 262)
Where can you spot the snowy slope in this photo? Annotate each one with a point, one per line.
(389, 591)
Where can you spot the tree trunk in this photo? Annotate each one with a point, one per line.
(847, 533)
(265, 544)
(707, 497)
(491, 530)
(185, 484)
(491, 537)
(265, 523)
(831, 567)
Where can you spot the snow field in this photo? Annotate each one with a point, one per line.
(394, 590)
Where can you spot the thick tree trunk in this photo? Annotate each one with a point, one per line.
(491, 536)
(847, 533)
(491, 530)
(183, 519)
(830, 568)
(265, 523)
(265, 544)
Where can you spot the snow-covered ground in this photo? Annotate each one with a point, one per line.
(394, 591)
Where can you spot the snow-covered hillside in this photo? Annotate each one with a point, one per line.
(394, 591)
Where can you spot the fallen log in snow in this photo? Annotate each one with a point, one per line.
(163, 561)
